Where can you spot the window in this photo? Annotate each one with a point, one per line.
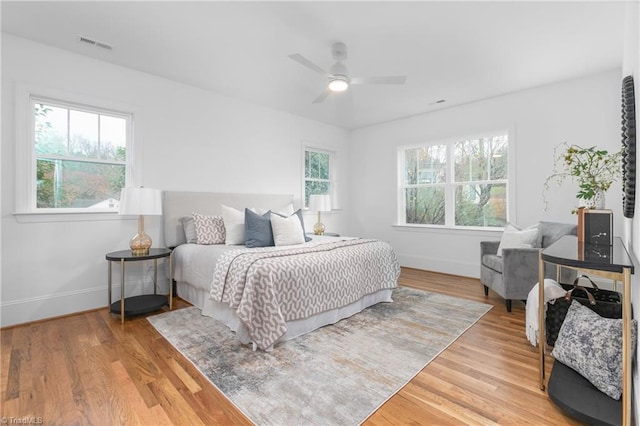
(458, 183)
(317, 173)
(77, 159)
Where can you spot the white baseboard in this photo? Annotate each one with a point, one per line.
(52, 305)
(447, 266)
(36, 308)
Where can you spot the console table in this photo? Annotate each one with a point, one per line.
(565, 389)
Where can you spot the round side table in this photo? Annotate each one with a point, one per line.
(142, 304)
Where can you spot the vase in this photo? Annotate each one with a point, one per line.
(598, 201)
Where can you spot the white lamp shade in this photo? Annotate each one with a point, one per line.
(320, 203)
(140, 201)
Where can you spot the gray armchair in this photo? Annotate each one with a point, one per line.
(514, 274)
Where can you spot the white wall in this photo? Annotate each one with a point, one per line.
(631, 66)
(583, 111)
(187, 138)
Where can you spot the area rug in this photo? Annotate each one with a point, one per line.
(337, 375)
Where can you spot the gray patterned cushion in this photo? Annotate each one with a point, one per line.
(209, 229)
(592, 346)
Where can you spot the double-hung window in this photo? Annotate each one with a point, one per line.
(77, 158)
(462, 182)
(318, 172)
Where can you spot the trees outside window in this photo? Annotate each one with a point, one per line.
(459, 183)
(80, 155)
(317, 173)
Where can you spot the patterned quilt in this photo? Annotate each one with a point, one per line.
(269, 286)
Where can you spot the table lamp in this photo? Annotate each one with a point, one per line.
(140, 201)
(319, 203)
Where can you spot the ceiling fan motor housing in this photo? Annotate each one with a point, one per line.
(339, 51)
(339, 70)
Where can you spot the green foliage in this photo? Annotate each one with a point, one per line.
(316, 174)
(63, 182)
(479, 199)
(593, 169)
(425, 205)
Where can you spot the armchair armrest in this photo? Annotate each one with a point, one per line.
(519, 271)
(489, 247)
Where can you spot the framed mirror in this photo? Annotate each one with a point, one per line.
(629, 147)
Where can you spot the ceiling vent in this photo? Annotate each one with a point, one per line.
(95, 43)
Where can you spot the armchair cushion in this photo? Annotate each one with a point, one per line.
(493, 262)
(515, 237)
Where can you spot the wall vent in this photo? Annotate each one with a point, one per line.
(95, 43)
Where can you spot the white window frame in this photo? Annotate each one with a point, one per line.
(332, 174)
(450, 185)
(25, 166)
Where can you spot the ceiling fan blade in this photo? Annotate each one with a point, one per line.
(307, 63)
(397, 79)
(322, 96)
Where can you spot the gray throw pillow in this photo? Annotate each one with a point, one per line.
(592, 346)
(189, 228)
(257, 229)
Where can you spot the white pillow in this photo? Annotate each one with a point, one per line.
(233, 225)
(287, 231)
(514, 237)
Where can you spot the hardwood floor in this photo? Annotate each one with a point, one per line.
(91, 369)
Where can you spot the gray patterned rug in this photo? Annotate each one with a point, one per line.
(337, 375)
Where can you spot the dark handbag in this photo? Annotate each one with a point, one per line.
(605, 303)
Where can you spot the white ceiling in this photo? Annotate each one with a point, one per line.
(457, 51)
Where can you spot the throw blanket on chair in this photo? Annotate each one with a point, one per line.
(552, 290)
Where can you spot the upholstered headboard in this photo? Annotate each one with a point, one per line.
(178, 204)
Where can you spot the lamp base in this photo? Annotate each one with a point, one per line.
(318, 228)
(140, 244)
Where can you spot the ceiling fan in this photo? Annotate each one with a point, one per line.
(339, 79)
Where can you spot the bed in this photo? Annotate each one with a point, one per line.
(272, 294)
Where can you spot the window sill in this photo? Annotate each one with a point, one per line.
(43, 217)
(437, 229)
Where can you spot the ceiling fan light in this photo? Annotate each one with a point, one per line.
(338, 84)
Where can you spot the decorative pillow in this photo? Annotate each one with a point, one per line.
(299, 214)
(189, 227)
(592, 346)
(257, 229)
(514, 237)
(233, 225)
(209, 229)
(287, 231)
